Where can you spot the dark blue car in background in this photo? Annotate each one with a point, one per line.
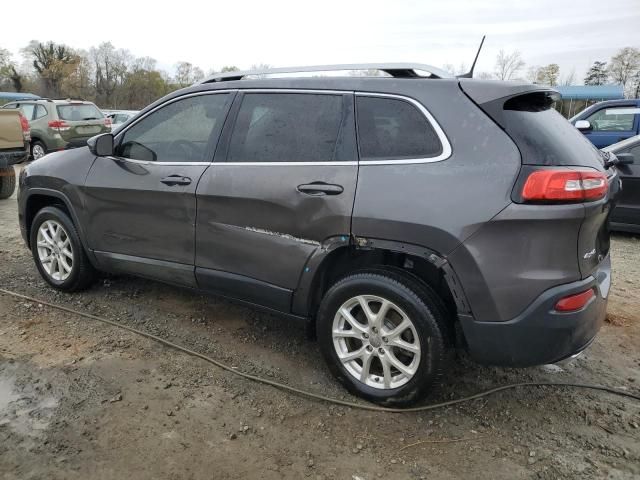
(606, 123)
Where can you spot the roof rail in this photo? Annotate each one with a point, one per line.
(396, 70)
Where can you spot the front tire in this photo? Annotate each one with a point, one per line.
(7, 182)
(383, 337)
(58, 252)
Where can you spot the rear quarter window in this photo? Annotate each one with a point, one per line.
(394, 129)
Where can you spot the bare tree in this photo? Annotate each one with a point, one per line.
(450, 68)
(485, 76)
(260, 66)
(110, 67)
(570, 79)
(187, 74)
(547, 75)
(53, 63)
(8, 72)
(624, 65)
(508, 64)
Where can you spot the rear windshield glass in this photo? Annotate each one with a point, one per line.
(545, 137)
(78, 113)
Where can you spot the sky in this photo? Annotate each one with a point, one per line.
(213, 34)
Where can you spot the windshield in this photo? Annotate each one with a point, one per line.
(79, 112)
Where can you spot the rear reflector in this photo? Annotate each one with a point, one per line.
(574, 302)
(565, 184)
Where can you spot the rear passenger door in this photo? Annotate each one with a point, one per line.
(281, 186)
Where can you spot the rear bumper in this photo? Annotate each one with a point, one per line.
(14, 157)
(540, 335)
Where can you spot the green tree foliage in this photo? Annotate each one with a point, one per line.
(597, 74)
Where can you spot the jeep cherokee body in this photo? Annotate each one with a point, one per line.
(387, 210)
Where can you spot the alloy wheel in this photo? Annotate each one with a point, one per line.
(38, 152)
(54, 250)
(376, 342)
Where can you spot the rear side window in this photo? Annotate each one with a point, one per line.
(40, 112)
(78, 113)
(27, 110)
(390, 128)
(286, 127)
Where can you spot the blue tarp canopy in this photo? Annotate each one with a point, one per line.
(9, 96)
(591, 92)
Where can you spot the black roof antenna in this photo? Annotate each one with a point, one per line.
(469, 74)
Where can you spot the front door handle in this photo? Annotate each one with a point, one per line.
(173, 180)
(318, 189)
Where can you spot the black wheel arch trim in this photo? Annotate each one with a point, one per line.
(309, 275)
(48, 192)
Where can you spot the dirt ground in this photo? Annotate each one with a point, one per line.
(80, 399)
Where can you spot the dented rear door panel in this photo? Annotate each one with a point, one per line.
(253, 221)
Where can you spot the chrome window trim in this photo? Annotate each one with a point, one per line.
(446, 146)
(290, 164)
(148, 162)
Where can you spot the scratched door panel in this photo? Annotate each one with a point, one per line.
(253, 221)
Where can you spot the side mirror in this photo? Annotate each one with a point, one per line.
(101, 145)
(583, 125)
(625, 159)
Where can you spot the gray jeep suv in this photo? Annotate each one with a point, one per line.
(402, 215)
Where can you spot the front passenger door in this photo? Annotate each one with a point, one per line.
(612, 125)
(140, 204)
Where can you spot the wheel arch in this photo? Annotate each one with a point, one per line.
(413, 261)
(38, 198)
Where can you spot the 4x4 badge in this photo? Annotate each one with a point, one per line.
(590, 254)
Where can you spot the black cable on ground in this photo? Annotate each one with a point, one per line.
(316, 396)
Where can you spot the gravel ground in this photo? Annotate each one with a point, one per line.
(80, 399)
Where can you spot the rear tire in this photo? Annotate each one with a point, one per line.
(58, 252)
(38, 149)
(391, 360)
(7, 182)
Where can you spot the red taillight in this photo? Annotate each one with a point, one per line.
(25, 124)
(59, 125)
(574, 302)
(565, 184)
(107, 122)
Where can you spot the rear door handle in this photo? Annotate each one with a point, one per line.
(318, 189)
(173, 180)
